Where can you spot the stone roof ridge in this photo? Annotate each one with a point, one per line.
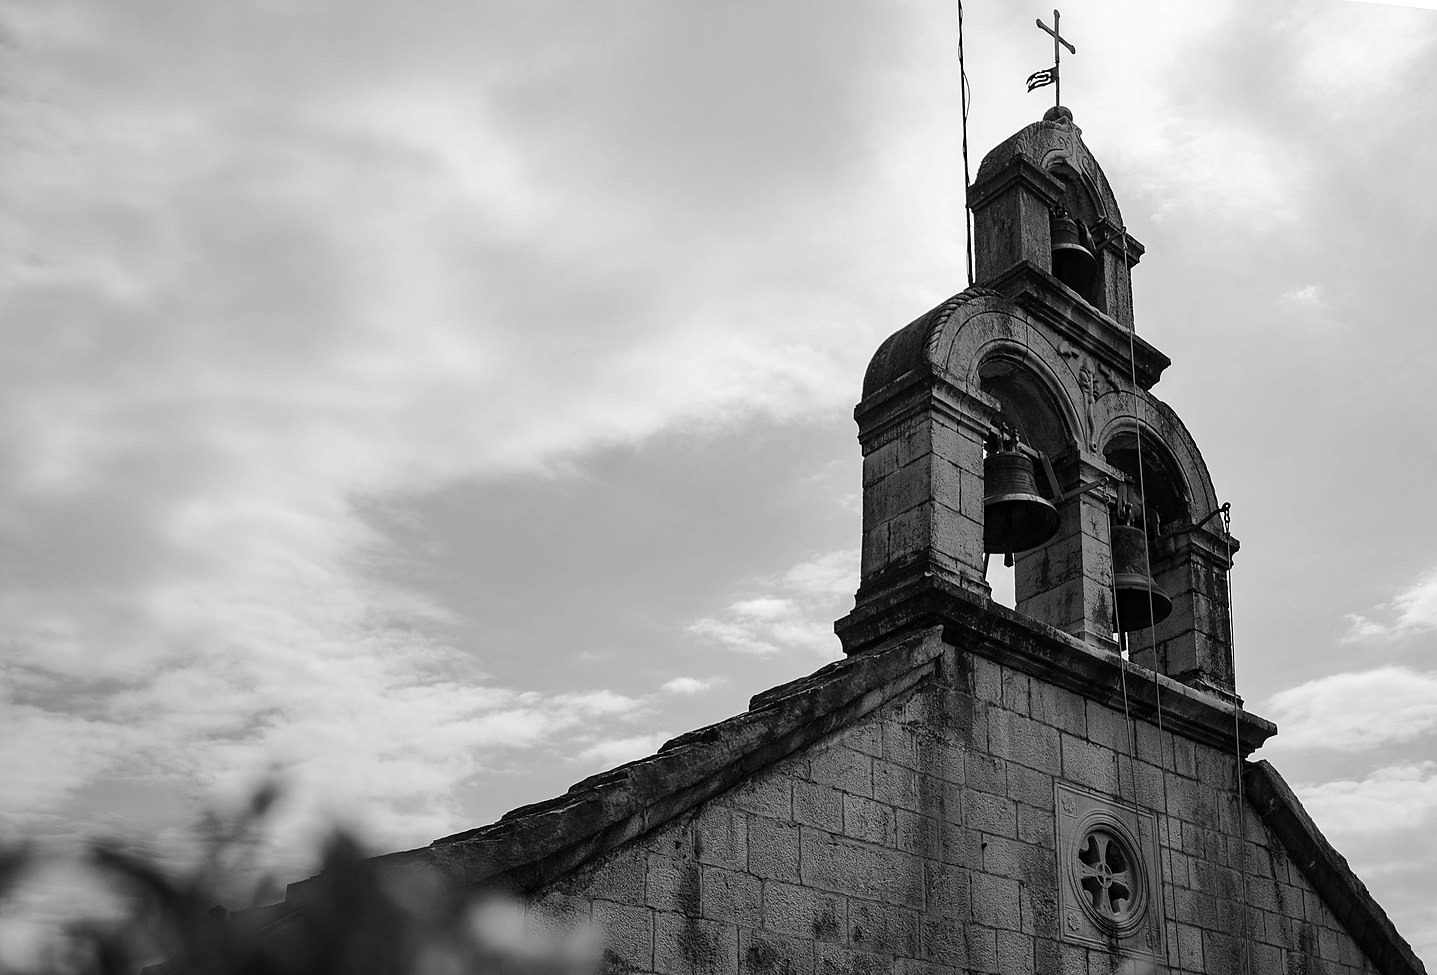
(1327, 870)
(538, 842)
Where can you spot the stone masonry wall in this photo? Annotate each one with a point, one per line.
(922, 840)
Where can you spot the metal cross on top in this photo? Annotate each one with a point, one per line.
(1049, 76)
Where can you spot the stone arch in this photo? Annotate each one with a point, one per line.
(1190, 556)
(1055, 141)
(1031, 399)
(1122, 413)
(1135, 450)
(1081, 195)
(1042, 380)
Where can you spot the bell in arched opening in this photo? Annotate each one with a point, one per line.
(1073, 261)
(1015, 516)
(1140, 602)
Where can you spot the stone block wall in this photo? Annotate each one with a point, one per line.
(922, 840)
(922, 496)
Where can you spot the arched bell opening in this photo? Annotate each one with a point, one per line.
(1024, 490)
(1018, 510)
(1071, 223)
(1027, 403)
(1153, 501)
(1150, 467)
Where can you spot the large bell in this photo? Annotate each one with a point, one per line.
(1015, 516)
(1141, 602)
(1073, 262)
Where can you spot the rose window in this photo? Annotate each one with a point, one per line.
(1108, 853)
(1105, 873)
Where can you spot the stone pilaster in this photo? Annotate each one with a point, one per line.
(1117, 254)
(922, 486)
(1194, 644)
(1010, 219)
(1068, 583)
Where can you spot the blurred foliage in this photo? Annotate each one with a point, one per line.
(359, 917)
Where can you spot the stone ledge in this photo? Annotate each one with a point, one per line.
(1043, 296)
(973, 623)
(1328, 872)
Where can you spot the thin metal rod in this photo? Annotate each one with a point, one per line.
(1226, 510)
(967, 181)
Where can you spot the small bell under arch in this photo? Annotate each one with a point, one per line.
(1016, 517)
(1073, 261)
(1140, 602)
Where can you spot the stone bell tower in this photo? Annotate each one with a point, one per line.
(1052, 353)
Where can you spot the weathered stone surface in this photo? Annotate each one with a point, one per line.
(628, 936)
(804, 912)
(818, 805)
(691, 946)
(844, 769)
(884, 928)
(768, 953)
(730, 896)
(773, 849)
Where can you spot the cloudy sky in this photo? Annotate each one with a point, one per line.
(436, 403)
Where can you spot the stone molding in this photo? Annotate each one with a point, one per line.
(1018, 170)
(1057, 306)
(981, 626)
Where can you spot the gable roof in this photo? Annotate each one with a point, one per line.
(535, 844)
(1328, 872)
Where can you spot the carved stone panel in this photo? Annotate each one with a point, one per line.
(1109, 883)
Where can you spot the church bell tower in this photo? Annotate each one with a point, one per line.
(1016, 420)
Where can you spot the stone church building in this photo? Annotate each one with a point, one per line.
(976, 789)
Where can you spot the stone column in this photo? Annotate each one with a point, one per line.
(922, 486)
(1068, 583)
(1117, 298)
(1194, 644)
(1010, 219)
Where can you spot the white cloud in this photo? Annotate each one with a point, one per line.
(1356, 711)
(763, 609)
(796, 613)
(1389, 799)
(686, 686)
(253, 284)
(1308, 296)
(1412, 611)
(832, 574)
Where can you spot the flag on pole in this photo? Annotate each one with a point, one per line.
(1040, 78)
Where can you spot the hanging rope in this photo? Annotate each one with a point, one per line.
(1147, 558)
(1226, 510)
(1127, 713)
(964, 98)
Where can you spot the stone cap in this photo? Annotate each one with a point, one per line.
(907, 350)
(1053, 141)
